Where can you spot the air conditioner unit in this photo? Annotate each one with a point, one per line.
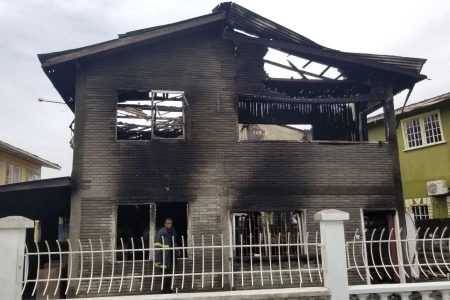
(437, 187)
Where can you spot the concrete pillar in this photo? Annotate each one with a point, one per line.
(12, 246)
(333, 252)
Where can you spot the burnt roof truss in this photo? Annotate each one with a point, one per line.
(244, 26)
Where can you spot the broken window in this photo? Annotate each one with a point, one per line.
(279, 64)
(252, 228)
(299, 90)
(334, 121)
(146, 115)
(270, 132)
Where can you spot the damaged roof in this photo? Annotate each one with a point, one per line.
(415, 108)
(230, 19)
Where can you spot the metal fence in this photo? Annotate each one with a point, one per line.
(204, 263)
(384, 256)
(392, 264)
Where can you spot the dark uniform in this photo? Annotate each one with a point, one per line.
(165, 240)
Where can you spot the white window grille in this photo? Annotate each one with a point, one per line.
(432, 129)
(413, 133)
(423, 130)
(420, 212)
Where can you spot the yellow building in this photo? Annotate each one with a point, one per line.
(17, 165)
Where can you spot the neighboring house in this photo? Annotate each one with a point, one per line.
(21, 192)
(423, 131)
(157, 118)
(17, 165)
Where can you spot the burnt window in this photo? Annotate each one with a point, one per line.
(268, 228)
(146, 115)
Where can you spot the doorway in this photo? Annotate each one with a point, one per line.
(178, 211)
(381, 247)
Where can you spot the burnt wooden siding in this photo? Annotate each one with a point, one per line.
(210, 170)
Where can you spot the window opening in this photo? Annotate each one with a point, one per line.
(155, 114)
(422, 130)
(249, 227)
(420, 212)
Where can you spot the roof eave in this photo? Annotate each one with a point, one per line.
(55, 58)
(58, 182)
(25, 155)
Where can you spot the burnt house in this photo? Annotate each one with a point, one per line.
(157, 118)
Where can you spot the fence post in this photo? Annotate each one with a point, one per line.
(334, 260)
(12, 246)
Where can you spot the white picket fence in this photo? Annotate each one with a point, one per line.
(386, 264)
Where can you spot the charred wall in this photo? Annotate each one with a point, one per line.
(210, 170)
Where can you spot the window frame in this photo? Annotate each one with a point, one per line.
(302, 225)
(1, 172)
(421, 118)
(151, 232)
(153, 138)
(424, 212)
(35, 173)
(10, 177)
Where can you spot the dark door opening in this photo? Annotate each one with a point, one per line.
(133, 224)
(380, 250)
(178, 212)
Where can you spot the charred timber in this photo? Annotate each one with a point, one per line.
(264, 98)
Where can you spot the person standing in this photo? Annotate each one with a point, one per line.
(165, 241)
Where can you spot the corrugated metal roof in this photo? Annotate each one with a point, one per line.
(418, 106)
(244, 19)
(241, 18)
(399, 61)
(144, 30)
(230, 14)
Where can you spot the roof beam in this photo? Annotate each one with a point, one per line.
(297, 70)
(325, 70)
(308, 73)
(371, 97)
(326, 55)
(294, 69)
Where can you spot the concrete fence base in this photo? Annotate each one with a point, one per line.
(12, 247)
(316, 293)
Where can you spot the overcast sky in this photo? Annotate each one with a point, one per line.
(28, 27)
